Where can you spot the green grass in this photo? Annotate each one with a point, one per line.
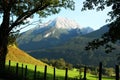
(60, 74)
(17, 55)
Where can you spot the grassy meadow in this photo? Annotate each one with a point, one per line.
(60, 74)
(17, 55)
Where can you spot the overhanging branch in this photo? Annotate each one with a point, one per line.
(25, 15)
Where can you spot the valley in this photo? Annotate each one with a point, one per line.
(59, 40)
(62, 47)
(64, 38)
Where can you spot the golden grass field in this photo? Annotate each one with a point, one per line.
(17, 55)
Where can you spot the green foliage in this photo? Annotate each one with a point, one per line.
(112, 36)
(74, 53)
(12, 39)
(21, 7)
(15, 12)
(60, 74)
(108, 71)
(101, 5)
(58, 63)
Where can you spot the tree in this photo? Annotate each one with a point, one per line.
(108, 71)
(113, 35)
(14, 13)
(12, 39)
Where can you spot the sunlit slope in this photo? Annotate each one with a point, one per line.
(17, 55)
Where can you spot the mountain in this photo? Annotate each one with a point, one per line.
(17, 55)
(98, 33)
(87, 30)
(53, 33)
(73, 51)
(64, 23)
(64, 38)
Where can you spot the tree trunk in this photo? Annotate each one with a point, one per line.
(3, 50)
(4, 37)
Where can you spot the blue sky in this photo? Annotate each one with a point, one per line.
(91, 18)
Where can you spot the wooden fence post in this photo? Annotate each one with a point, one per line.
(22, 72)
(9, 65)
(17, 69)
(66, 74)
(85, 69)
(100, 71)
(35, 72)
(80, 73)
(26, 72)
(117, 72)
(45, 73)
(54, 74)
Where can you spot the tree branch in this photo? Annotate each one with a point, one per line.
(32, 23)
(25, 15)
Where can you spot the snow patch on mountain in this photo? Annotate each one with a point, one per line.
(47, 35)
(64, 23)
(53, 32)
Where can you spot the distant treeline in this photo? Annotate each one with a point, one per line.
(58, 63)
(62, 64)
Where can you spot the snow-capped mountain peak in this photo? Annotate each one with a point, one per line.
(64, 23)
(60, 23)
(58, 27)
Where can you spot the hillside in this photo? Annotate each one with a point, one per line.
(73, 51)
(63, 38)
(17, 55)
(98, 33)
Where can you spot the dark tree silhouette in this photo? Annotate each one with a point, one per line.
(14, 12)
(113, 35)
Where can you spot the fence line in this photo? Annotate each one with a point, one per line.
(35, 72)
(100, 71)
(66, 74)
(85, 69)
(117, 72)
(24, 72)
(54, 74)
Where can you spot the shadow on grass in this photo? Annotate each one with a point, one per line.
(10, 74)
(104, 77)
